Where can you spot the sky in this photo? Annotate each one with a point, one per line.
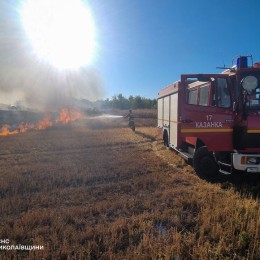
(141, 46)
(144, 45)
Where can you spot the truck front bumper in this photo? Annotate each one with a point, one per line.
(246, 162)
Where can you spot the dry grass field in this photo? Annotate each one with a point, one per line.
(93, 189)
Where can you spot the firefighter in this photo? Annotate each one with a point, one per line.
(131, 122)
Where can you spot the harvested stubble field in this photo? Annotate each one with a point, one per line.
(95, 190)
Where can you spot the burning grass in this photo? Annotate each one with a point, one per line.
(65, 116)
(95, 190)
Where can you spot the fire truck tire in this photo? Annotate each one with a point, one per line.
(204, 163)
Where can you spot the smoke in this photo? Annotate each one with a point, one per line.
(32, 82)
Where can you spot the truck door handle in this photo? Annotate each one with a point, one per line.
(187, 121)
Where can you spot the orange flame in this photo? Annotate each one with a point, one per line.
(44, 123)
(65, 116)
(5, 131)
(25, 127)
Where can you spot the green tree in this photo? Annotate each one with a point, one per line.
(132, 102)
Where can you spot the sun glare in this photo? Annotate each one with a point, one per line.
(61, 31)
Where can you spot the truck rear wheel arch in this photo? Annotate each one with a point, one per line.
(199, 143)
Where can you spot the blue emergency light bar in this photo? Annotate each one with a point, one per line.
(242, 62)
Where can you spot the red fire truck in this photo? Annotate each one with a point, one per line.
(213, 120)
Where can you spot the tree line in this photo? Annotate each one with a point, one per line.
(132, 102)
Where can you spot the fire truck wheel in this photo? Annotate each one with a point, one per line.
(204, 163)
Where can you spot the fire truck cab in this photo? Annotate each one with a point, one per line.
(213, 120)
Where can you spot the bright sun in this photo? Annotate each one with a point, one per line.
(61, 31)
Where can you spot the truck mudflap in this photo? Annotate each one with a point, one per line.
(246, 162)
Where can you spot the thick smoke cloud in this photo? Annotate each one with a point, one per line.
(36, 84)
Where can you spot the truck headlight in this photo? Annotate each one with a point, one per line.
(249, 160)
